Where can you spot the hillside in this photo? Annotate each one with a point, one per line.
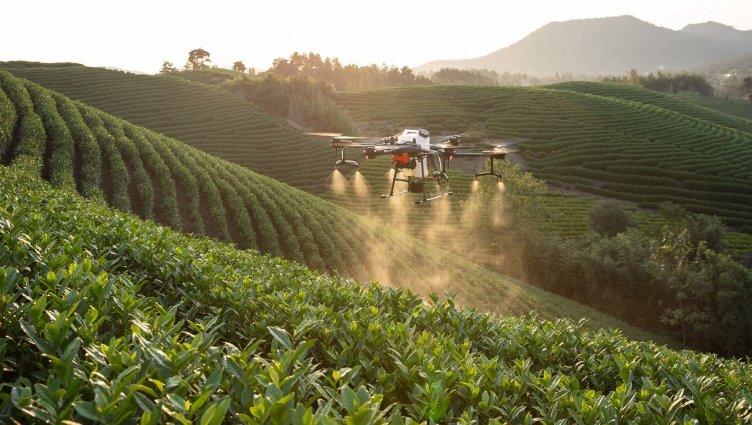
(136, 170)
(740, 107)
(436, 114)
(625, 149)
(603, 46)
(215, 121)
(673, 103)
(724, 36)
(107, 318)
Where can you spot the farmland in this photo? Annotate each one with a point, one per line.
(105, 317)
(602, 145)
(212, 120)
(153, 176)
(576, 141)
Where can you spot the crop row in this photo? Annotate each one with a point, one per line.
(212, 120)
(606, 139)
(157, 177)
(657, 99)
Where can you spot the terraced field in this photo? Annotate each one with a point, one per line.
(167, 105)
(661, 100)
(740, 107)
(602, 145)
(215, 121)
(136, 170)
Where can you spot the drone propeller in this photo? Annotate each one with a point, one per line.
(324, 134)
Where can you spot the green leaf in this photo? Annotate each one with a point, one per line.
(281, 336)
(88, 410)
(349, 400)
(215, 413)
(302, 415)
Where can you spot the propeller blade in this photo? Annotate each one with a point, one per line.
(324, 134)
(354, 137)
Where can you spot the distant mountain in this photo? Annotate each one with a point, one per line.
(724, 36)
(609, 46)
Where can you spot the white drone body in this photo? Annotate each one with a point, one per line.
(420, 137)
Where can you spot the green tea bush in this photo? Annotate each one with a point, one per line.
(87, 163)
(143, 205)
(7, 123)
(58, 168)
(115, 175)
(166, 204)
(106, 318)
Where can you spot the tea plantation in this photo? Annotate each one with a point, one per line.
(641, 150)
(107, 318)
(642, 146)
(213, 120)
(73, 145)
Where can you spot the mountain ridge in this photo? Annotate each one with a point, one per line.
(612, 45)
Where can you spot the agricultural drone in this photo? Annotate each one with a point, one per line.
(412, 154)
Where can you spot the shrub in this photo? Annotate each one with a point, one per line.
(609, 218)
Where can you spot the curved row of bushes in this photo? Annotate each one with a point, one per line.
(595, 135)
(157, 177)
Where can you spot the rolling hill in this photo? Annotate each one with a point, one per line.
(442, 110)
(607, 46)
(215, 121)
(75, 146)
(611, 146)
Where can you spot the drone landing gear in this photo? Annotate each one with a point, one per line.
(348, 162)
(488, 173)
(417, 185)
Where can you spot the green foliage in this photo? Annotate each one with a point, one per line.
(143, 204)
(115, 175)
(609, 218)
(611, 140)
(7, 122)
(106, 318)
(225, 125)
(668, 83)
(58, 169)
(347, 77)
(30, 146)
(87, 163)
(457, 76)
(665, 271)
(306, 102)
(155, 176)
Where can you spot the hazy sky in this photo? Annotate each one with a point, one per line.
(140, 35)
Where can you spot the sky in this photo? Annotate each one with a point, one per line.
(140, 35)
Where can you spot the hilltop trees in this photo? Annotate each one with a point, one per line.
(464, 76)
(167, 67)
(667, 82)
(344, 77)
(198, 59)
(238, 66)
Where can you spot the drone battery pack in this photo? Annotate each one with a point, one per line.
(415, 186)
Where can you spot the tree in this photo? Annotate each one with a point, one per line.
(609, 218)
(197, 59)
(238, 66)
(167, 67)
(747, 87)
